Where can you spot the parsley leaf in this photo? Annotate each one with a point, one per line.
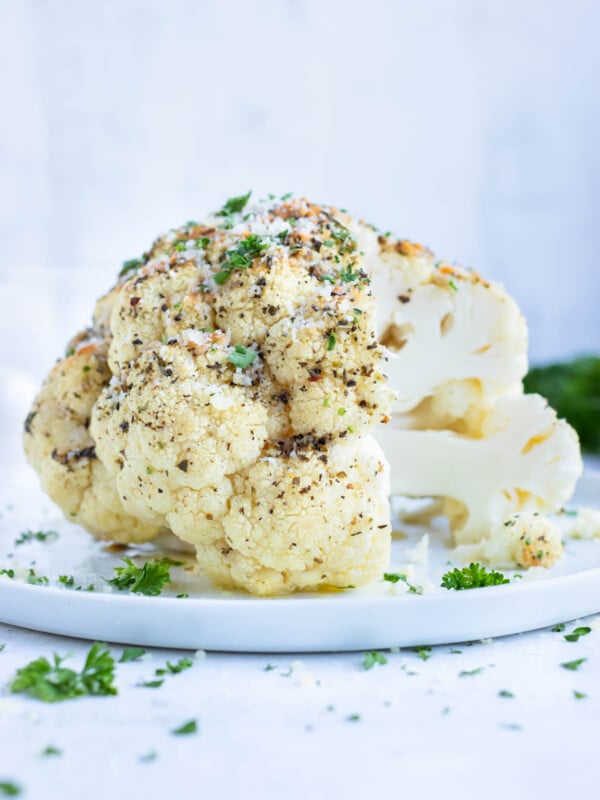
(573, 665)
(558, 628)
(51, 751)
(241, 256)
(174, 669)
(131, 266)
(475, 576)
(575, 634)
(148, 579)
(579, 695)
(187, 727)
(53, 682)
(9, 789)
(372, 658)
(10, 573)
(331, 341)
(394, 577)
(131, 654)
(505, 693)
(346, 274)
(36, 536)
(156, 684)
(242, 357)
(424, 652)
(234, 205)
(466, 673)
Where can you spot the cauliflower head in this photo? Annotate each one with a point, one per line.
(244, 379)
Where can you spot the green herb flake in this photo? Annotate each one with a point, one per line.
(36, 536)
(341, 412)
(353, 718)
(452, 285)
(175, 669)
(423, 651)
(186, 728)
(475, 576)
(153, 684)
(52, 683)
(148, 579)
(131, 654)
(466, 673)
(331, 341)
(505, 693)
(202, 243)
(242, 357)
(51, 751)
(10, 573)
(241, 256)
(394, 577)
(133, 265)
(87, 368)
(558, 628)
(347, 275)
(573, 665)
(234, 205)
(182, 596)
(575, 634)
(10, 789)
(37, 580)
(147, 758)
(372, 658)
(579, 695)
(67, 580)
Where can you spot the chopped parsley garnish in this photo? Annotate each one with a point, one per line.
(466, 673)
(36, 536)
(424, 652)
(131, 654)
(186, 728)
(148, 757)
(394, 577)
(346, 274)
(202, 242)
(53, 682)
(573, 665)
(558, 628)
(579, 695)
(242, 357)
(286, 196)
(182, 596)
(131, 266)
(234, 205)
(575, 634)
(269, 667)
(241, 256)
(10, 573)
(51, 751)
(36, 580)
(148, 579)
(331, 341)
(175, 669)
(372, 658)
(505, 693)
(154, 684)
(353, 718)
(9, 789)
(452, 285)
(475, 576)
(66, 580)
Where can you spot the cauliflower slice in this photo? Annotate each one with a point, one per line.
(527, 461)
(445, 327)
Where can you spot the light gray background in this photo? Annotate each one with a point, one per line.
(472, 127)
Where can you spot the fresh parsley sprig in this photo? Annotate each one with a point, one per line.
(148, 579)
(241, 256)
(51, 682)
(475, 576)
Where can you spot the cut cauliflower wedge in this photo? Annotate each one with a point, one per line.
(527, 460)
(246, 377)
(456, 341)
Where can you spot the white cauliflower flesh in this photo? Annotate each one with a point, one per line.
(526, 461)
(450, 333)
(243, 379)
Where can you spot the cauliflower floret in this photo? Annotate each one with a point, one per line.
(60, 447)
(524, 540)
(526, 461)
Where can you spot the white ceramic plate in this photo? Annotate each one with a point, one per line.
(374, 617)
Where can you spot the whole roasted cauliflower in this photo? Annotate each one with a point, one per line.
(231, 382)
